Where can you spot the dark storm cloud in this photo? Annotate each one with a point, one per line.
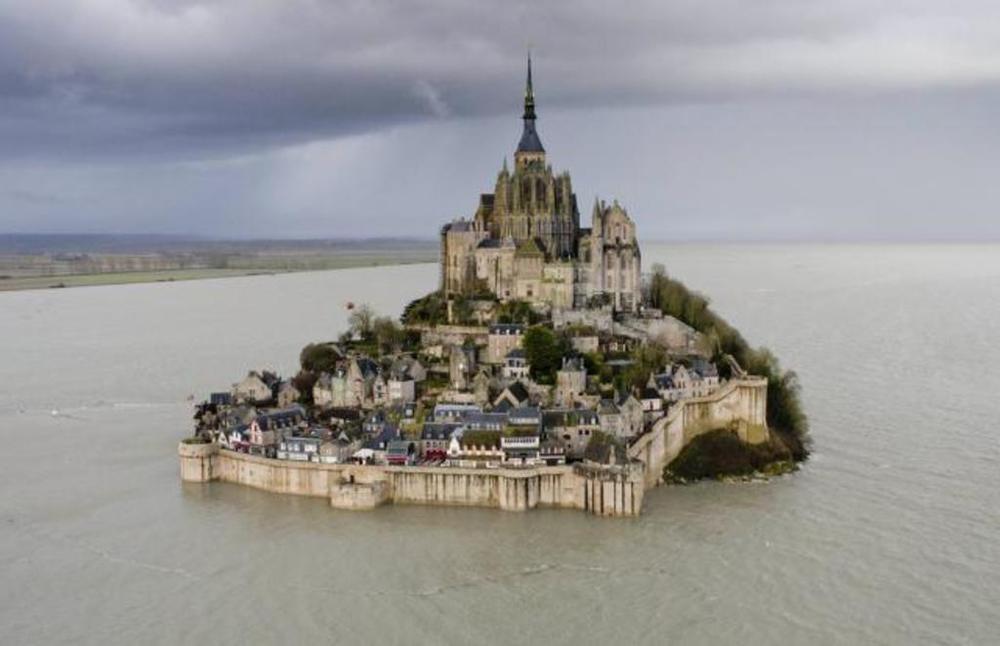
(160, 77)
(735, 119)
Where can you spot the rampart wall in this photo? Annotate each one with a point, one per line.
(597, 489)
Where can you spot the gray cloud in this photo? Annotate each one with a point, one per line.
(155, 76)
(772, 119)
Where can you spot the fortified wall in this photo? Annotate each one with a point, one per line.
(602, 490)
(739, 403)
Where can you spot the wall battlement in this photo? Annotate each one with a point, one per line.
(597, 489)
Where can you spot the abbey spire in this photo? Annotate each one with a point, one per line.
(530, 147)
(525, 242)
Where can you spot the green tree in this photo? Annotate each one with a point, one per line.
(545, 350)
(517, 311)
(304, 382)
(361, 319)
(388, 335)
(319, 357)
(431, 309)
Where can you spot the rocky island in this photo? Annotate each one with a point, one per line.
(546, 370)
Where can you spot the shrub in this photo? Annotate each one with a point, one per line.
(601, 445)
(481, 438)
(319, 357)
(431, 309)
(721, 453)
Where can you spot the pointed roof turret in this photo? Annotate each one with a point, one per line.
(530, 143)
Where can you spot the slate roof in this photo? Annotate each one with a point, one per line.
(388, 434)
(485, 421)
(439, 430)
(575, 417)
(518, 390)
(220, 399)
(530, 142)
(705, 368)
(285, 418)
(650, 393)
(608, 407)
(522, 414)
(368, 367)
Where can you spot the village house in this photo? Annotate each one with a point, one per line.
(402, 388)
(361, 375)
(451, 412)
(400, 453)
(478, 421)
(515, 365)
(288, 394)
(502, 338)
(521, 450)
(678, 382)
(574, 427)
(256, 388)
(337, 450)
(524, 419)
(552, 452)
(375, 447)
(435, 437)
(461, 454)
(299, 448)
(409, 367)
(652, 402)
(571, 381)
(375, 422)
(621, 417)
(380, 390)
(265, 429)
(335, 390)
(235, 438)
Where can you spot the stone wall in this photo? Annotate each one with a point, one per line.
(741, 403)
(449, 334)
(605, 491)
(597, 489)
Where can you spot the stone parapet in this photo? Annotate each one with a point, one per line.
(197, 461)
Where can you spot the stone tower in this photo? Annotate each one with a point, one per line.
(525, 240)
(531, 203)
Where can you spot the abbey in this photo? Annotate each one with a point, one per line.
(525, 240)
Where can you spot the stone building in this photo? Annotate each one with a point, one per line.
(501, 340)
(571, 381)
(525, 241)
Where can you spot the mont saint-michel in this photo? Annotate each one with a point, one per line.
(547, 370)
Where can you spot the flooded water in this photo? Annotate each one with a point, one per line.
(888, 535)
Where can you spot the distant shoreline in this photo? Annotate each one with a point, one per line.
(269, 266)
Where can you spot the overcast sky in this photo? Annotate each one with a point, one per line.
(708, 120)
